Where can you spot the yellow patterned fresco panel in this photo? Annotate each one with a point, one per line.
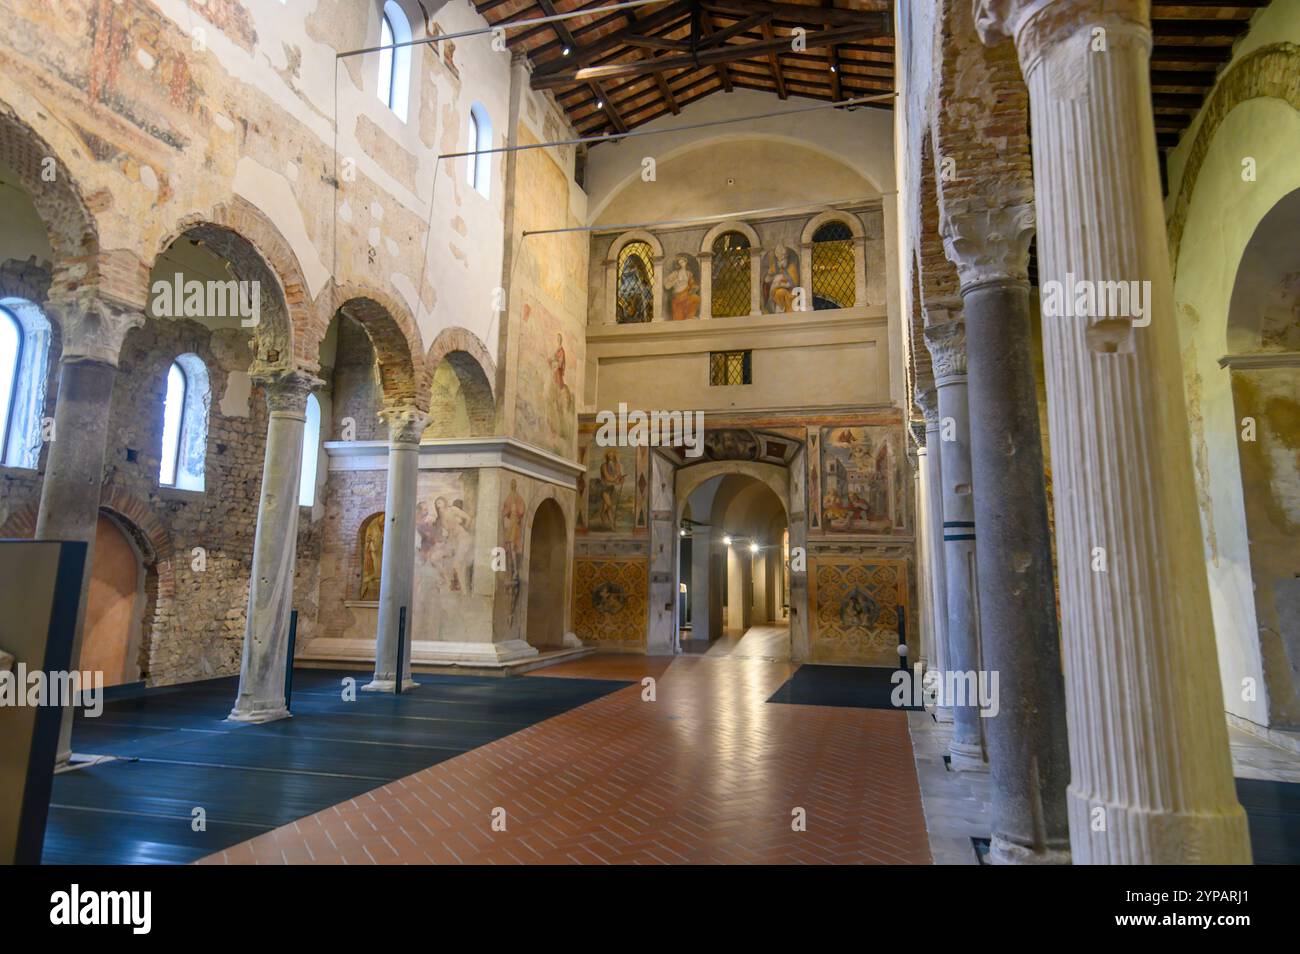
(609, 600)
(855, 609)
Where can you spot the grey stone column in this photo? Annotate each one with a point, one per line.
(1027, 741)
(270, 591)
(397, 575)
(927, 399)
(93, 330)
(1150, 769)
(945, 336)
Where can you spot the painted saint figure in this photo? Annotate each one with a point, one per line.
(612, 476)
(683, 290)
(372, 557)
(780, 281)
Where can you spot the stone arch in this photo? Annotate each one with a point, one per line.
(775, 476)
(1272, 71)
(256, 251)
(391, 328)
(832, 215)
(71, 226)
(474, 370)
(547, 547)
(635, 235)
(731, 225)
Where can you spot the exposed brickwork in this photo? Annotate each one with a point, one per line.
(356, 391)
(396, 341)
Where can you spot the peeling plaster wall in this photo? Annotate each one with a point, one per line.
(1222, 216)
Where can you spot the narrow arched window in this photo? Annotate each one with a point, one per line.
(185, 424)
(24, 370)
(479, 168)
(11, 359)
(394, 61)
(731, 277)
(310, 453)
(636, 274)
(833, 284)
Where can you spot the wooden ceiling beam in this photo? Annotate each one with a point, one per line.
(705, 21)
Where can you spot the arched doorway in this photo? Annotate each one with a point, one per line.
(546, 594)
(113, 609)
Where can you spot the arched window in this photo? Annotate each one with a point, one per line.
(24, 360)
(394, 64)
(185, 424)
(731, 278)
(480, 138)
(636, 274)
(310, 453)
(833, 283)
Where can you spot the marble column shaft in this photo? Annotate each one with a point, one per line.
(397, 575)
(945, 336)
(1151, 775)
(928, 400)
(270, 594)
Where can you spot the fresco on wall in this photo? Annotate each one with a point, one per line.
(642, 487)
(609, 600)
(444, 525)
(370, 541)
(814, 479)
(682, 288)
(612, 490)
(546, 404)
(511, 536)
(857, 603)
(860, 479)
(780, 276)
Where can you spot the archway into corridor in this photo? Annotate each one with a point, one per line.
(546, 563)
(733, 569)
(114, 607)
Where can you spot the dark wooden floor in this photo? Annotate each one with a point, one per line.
(176, 754)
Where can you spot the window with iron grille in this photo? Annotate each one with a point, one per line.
(730, 275)
(833, 283)
(730, 367)
(636, 272)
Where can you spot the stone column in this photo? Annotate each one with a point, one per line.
(924, 611)
(1028, 750)
(945, 336)
(397, 576)
(927, 399)
(270, 591)
(1151, 776)
(93, 331)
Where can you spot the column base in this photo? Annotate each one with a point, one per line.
(257, 716)
(388, 685)
(1134, 835)
(1003, 852)
(965, 757)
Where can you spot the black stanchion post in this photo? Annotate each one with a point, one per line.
(288, 666)
(902, 637)
(401, 640)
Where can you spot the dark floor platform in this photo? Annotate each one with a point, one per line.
(854, 687)
(176, 753)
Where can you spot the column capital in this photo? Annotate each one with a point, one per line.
(989, 245)
(287, 390)
(93, 326)
(1035, 25)
(927, 399)
(947, 343)
(405, 424)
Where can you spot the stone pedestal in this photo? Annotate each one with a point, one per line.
(945, 336)
(397, 580)
(1151, 776)
(270, 596)
(93, 331)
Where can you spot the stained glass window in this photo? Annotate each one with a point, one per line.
(636, 272)
(731, 278)
(730, 367)
(833, 282)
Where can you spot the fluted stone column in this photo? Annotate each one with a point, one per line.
(270, 593)
(927, 399)
(945, 336)
(397, 576)
(1151, 776)
(93, 331)
(1028, 751)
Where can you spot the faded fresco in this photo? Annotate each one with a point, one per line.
(612, 489)
(370, 542)
(547, 380)
(444, 547)
(780, 276)
(510, 537)
(857, 604)
(861, 480)
(682, 288)
(610, 601)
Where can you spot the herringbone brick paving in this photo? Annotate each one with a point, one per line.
(706, 773)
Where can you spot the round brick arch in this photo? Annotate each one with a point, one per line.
(45, 177)
(240, 233)
(396, 340)
(131, 511)
(474, 368)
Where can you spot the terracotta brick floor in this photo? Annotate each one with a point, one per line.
(707, 773)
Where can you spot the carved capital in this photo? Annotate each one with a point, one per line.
(1037, 25)
(286, 391)
(405, 424)
(927, 399)
(989, 245)
(917, 430)
(947, 343)
(93, 326)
